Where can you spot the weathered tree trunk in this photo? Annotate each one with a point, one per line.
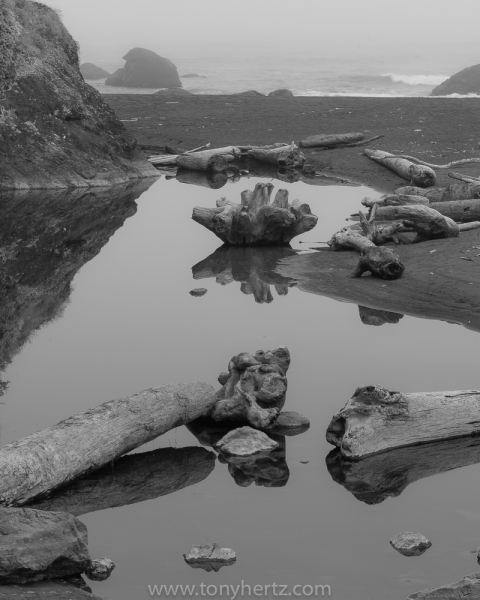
(256, 222)
(330, 140)
(131, 479)
(376, 420)
(285, 156)
(418, 175)
(164, 160)
(428, 223)
(395, 200)
(43, 461)
(455, 191)
(461, 211)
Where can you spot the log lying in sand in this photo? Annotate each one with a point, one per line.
(377, 420)
(256, 222)
(455, 163)
(461, 211)
(43, 461)
(214, 160)
(395, 200)
(331, 140)
(464, 178)
(131, 479)
(428, 223)
(375, 478)
(455, 191)
(417, 175)
(289, 157)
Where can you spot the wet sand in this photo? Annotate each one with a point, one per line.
(438, 130)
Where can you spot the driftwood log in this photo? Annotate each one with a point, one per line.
(208, 160)
(376, 420)
(377, 477)
(455, 163)
(464, 178)
(418, 175)
(131, 479)
(330, 140)
(256, 222)
(43, 461)
(455, 191)
(395, 200)
(288, 157)
(254, 388)
(461, 211)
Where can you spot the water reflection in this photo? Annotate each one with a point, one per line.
(45, 238)
(131, 479)
(384, 475)
(375, 317)
(253, 267)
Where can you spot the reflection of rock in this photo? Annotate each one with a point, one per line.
(210, 557)
(410, 544)
(91, 72)
(197, 292)
(380, 476)
(47, 590)
(467, 588)
(373, 316)
(145, 69)
(99, 569)
(131, 479)
(45, 238)
(36, 545)
(253, 267)
(245, 442)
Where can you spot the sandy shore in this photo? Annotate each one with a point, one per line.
(438, 130)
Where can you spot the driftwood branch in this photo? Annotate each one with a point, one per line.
(331, 140)
(256, 222)
(43, 461)
(376, 420)
(352, 145)
(464, 178)
(455, 163)
(418, 175)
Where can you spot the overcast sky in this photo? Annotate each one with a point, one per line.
(171, 27)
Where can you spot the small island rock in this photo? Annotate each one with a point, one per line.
(245, 441)
(466, 81)
(197, 292)
(145, 69)
(250, 94)
(92, 72)
(100, 569)
(283, 93)
(410, 544)
(210, 557)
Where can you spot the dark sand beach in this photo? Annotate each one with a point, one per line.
(437, 130)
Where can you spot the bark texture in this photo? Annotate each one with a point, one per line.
(215, 159)
(285, 156)
(376, 420)
(43, 461)
(418, 175)
(455, 191)
(427, 222)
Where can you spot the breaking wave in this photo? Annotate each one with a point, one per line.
(417, 79)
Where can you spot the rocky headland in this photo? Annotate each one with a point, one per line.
(145, 69)
(56, 131)
(466, 81)
(92, 72)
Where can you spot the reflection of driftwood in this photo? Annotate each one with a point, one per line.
(455, 191)
(380, 476)
(131, 479)
(43, 461)
(253, 267)
(437, 285)
(371, 316)
(428, 223)
(213, 181)
(256, 222)
(418, 175)
(376, 420)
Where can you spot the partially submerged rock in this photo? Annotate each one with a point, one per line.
(410, 544)
(37, 545)
(145, 69)
(209, 557)
(91, 72)
(466, 588)
(197, 292)
(100, 569)
(289, 423)
(245, 441)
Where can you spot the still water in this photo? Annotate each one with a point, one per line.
(130, 324)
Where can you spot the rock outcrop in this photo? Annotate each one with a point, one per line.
(468, 587)
(56, 131)
(410, 544)
(92, 72)
(282, 93)
(466, 81)
(145, 69)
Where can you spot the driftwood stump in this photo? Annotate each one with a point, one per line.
(418, 175)
(256, 222)
(376, 420)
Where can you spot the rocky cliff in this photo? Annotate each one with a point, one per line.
(55, 130)
(463, 82)
(92, 72)
(145, 69)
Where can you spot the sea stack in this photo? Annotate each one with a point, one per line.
(145, 69)
(463, 82)
(91, 72)
(55, 130)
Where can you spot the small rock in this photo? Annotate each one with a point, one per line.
(100, 569)
(410, 544)
(283, 93)
(289, 423)
(210, 557)
(197, 292)
(245, 441)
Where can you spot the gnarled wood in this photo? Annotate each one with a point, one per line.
(43, 461)
(418, 175)
(376, 420)
(285, 156)
(461, 211)
(331, 139)
(455, 191)
(395, 200)
(256, 222)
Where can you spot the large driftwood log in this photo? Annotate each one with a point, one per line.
(43, 461)
(256, 222)
(377, 477)
(461, 211)
(331, 139)
(131, 479)
(455, 163)
(417, 175)
(395, 200)
(455, 191)
(285, 156)
(376, 420)
(214, 160)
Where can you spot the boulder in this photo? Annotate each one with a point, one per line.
(210, 557)
(56, 131)
(463, 82)
(283, 93)
(468, 587)
(410, 544)
(145, 69)
(37, 545)
(197, 292)
(92, 72)
(245, 441)
(289, 423)
(100, 569)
